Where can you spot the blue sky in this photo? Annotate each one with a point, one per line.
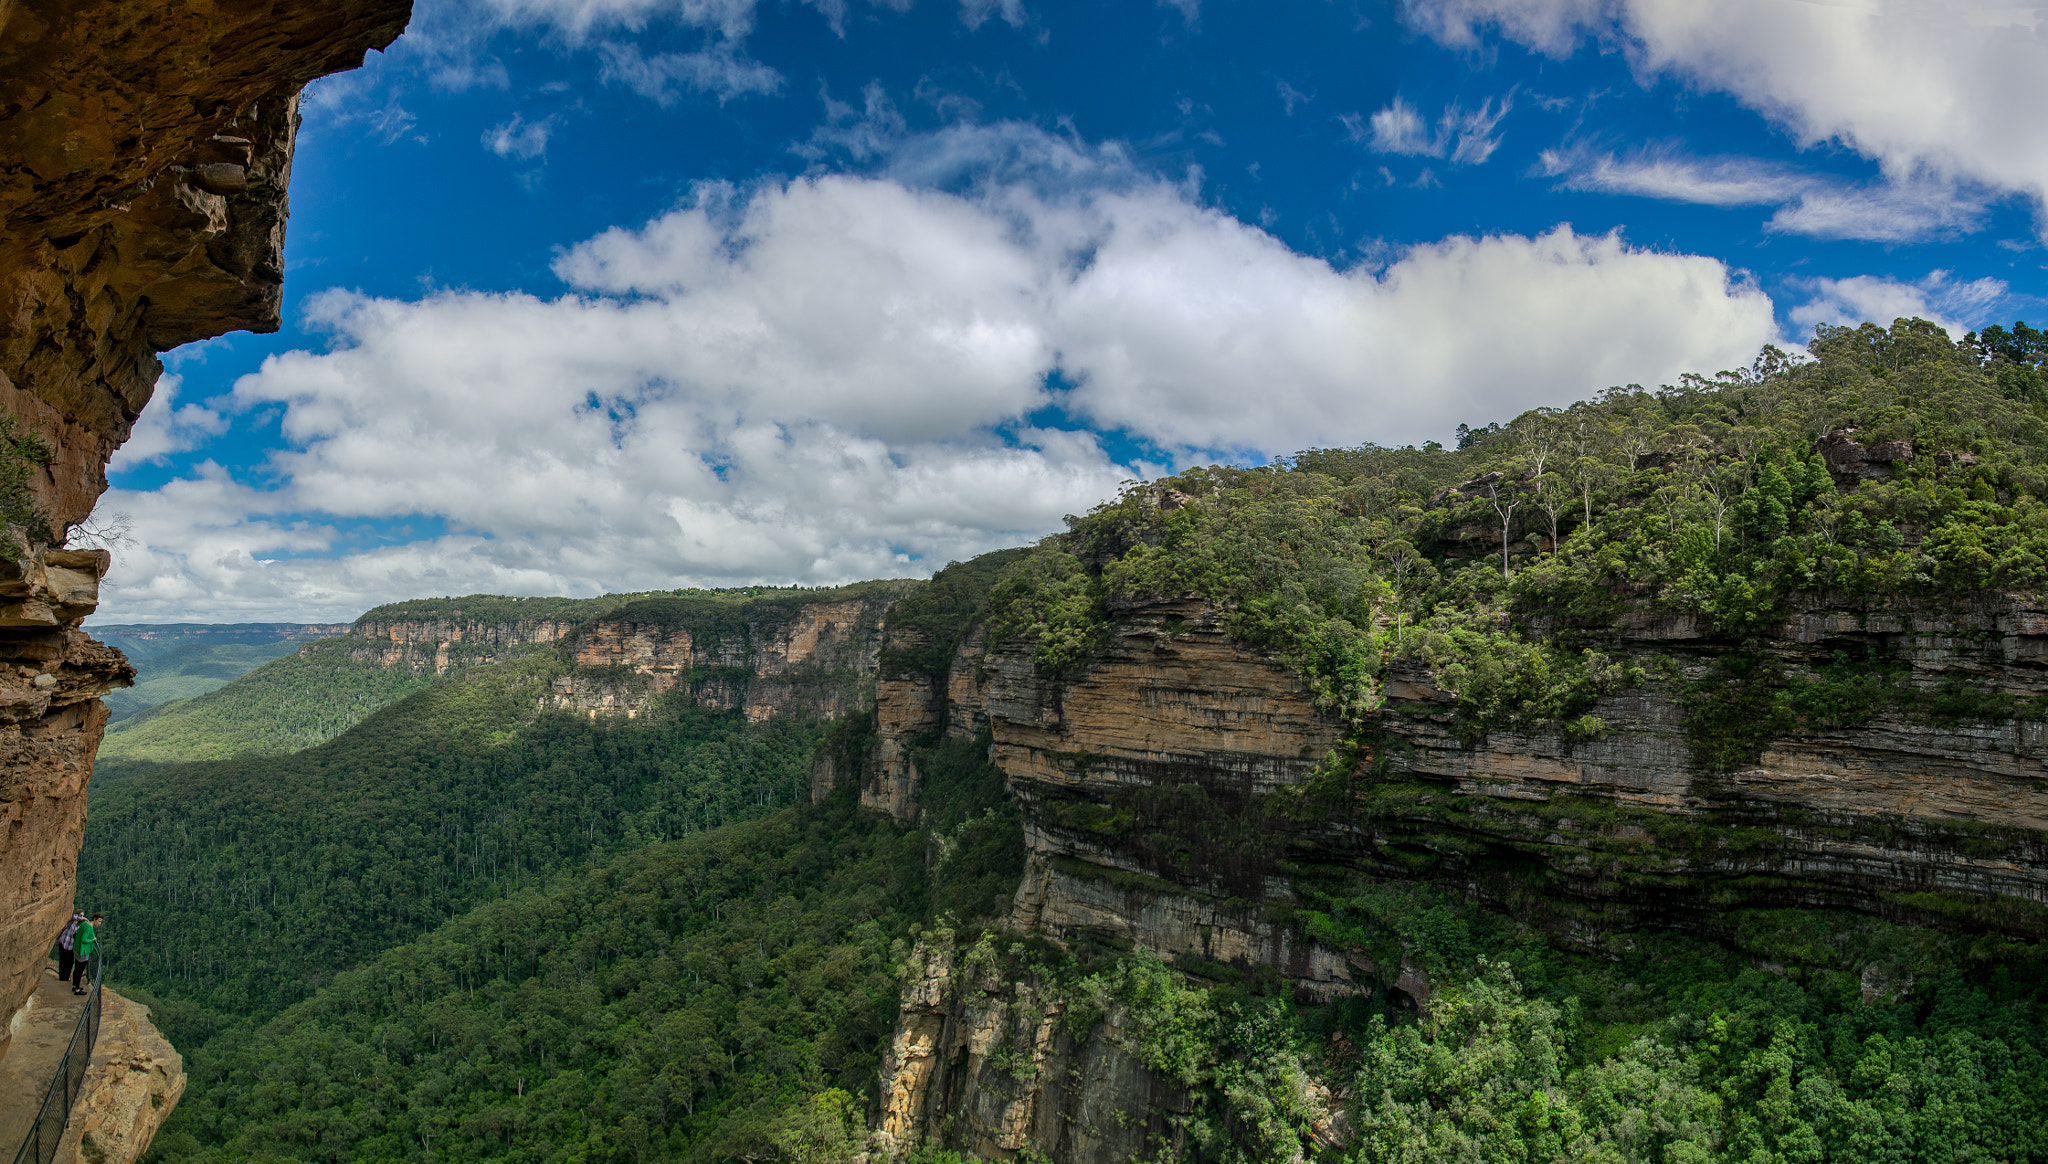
(590, 295)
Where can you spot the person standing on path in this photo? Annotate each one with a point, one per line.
(65, 954)
(85, 943)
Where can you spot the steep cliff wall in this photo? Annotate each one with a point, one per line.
(1180, 756)
(142, 207)
(448, 644)
(1178, 785)
(989, 1060)
(791, 654)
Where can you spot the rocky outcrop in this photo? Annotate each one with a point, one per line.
(142, 206)
(913, 707)
(1169, 777)
(133, 1081)
(51, 679)
(985, 1063)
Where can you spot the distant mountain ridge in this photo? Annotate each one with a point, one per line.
(181, 660)
(283, 702)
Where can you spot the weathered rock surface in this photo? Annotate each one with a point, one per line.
(147, 150)
(448, 644)
(987, 1066)
(133, 1081)
(1171, 786)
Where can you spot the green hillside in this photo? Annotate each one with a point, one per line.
(327, 686)
(182, 661)
(454, 795)
(293, 702)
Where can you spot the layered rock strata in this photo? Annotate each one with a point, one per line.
(445, 645)
(142, 206)
(816, 658)
(1176, 786)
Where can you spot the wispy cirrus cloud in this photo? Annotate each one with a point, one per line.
(519, 138)
(1923, 87)
(1464, 137)
(720, 70)
(1918, 206)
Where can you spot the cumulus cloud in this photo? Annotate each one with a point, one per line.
(1936, 85)
(166, 428)
(1465, 137)
(845, 376)
(1959, 307)
(1916, 206)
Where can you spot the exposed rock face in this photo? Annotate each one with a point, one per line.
(448, 644)
(134, 1080)
(51, 679)
(144, 202)
(815, 659)
(142, 206)
(988, 1063)
(1170, 785)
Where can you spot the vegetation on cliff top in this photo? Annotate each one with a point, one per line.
(1712, 499)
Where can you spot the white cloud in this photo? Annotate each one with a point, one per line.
(520, 138)
(815, 379)
(975, 13)
(1944, 86)
(1466, 137)
(1959, 307)
(1918, 205)
(164, 428)
(718, 70)
(577, 19)
(1675, 177)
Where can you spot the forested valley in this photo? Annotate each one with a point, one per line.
(465, 930)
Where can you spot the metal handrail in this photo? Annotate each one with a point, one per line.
(40, 1146)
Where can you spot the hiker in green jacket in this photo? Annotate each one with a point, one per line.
(84, 944)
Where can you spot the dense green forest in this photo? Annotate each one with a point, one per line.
(462, 932)
(684, 1001)
(456, 795)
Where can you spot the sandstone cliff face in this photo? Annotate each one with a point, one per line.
(1172, 785)
(450, 644)
(142, 206)
(133, 1081)
(988, 1064)
(912, 707)
(814, 658)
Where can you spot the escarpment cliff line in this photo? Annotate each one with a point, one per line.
(1178, 778)
(788, 655)
(142, 207)
(1182, 792)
